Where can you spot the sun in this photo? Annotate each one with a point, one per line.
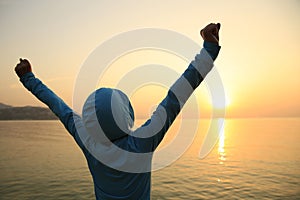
(227, 101)
(221, 103)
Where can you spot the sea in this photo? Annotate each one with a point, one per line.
(254, 158)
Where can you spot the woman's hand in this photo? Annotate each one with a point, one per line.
(211, 33)
(23, 67)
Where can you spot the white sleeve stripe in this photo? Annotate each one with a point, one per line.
(203, 62)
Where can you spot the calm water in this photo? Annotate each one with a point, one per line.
(255, 159)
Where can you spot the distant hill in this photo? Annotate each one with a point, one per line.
(8, 112)
(2, 106)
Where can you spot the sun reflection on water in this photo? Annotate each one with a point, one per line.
(221, 147)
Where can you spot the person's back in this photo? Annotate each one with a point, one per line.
(118, 157)
(110, 183)
(108, 118)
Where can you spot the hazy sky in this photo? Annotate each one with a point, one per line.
(259, 62)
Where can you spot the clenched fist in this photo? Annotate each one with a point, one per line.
(211, 33)
(23, 67)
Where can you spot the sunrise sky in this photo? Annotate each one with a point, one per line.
(259, 62)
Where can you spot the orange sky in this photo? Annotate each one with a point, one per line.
(259, 61)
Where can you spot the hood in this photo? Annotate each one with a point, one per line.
(111, 110)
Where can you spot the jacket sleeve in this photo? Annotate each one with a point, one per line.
(148, 136)
(56, 104)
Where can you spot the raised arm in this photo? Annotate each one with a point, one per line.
(149, 135)
(47, 96)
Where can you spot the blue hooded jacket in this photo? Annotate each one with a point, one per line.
(119, 158)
